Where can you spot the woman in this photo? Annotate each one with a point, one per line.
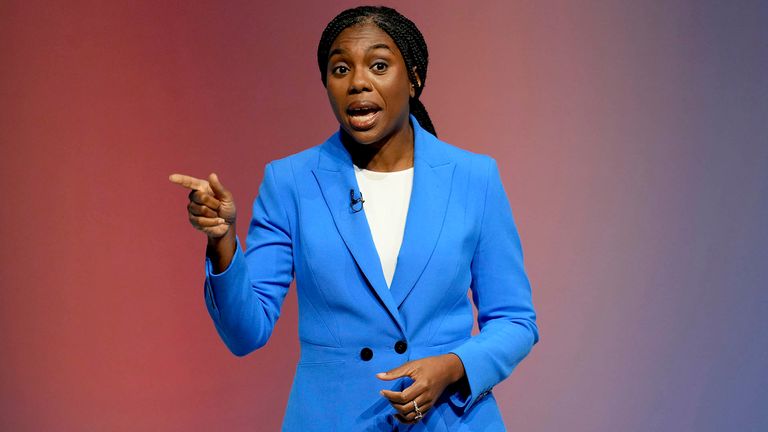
(384, 317)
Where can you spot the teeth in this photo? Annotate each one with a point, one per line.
(362, 120)
(362, 111)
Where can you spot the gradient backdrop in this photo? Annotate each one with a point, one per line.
(633, 142)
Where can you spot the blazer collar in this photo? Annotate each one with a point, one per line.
(432, 175)
(427, 148)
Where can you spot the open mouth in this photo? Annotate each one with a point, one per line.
(363, 116)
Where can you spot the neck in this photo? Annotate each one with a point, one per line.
(393, 153)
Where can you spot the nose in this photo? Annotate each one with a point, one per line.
(358, 81)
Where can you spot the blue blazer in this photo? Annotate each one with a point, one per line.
(459, 234)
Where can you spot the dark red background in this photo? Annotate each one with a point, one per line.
(632, 142)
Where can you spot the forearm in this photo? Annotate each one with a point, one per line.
(245, 289)
(240, 318)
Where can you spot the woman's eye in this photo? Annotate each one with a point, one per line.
(380, 67)
(339, 69)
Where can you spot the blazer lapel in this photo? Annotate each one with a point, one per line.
(431, 190)
(335, 175)
(432, 179)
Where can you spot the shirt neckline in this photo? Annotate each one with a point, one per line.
(357, 168)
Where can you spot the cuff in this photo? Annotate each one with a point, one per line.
(219, 282)
(475, 385)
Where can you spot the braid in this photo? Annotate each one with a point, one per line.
(407, 37)
(418, 111)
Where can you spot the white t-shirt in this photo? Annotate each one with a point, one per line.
(387, 196)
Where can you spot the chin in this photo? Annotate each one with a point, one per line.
(365, 137)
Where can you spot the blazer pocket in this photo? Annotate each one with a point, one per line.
(315, 394)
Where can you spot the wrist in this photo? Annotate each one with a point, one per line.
(456, 367)
(221, 250)
(226, 238)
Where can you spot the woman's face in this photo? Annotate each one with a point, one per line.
(368, 84)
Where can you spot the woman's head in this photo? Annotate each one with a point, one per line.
(373, 63)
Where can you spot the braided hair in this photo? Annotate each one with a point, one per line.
(407, 37)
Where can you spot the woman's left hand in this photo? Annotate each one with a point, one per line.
(430, 375)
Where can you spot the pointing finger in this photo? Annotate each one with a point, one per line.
(188, 181)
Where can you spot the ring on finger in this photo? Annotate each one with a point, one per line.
(419, 414)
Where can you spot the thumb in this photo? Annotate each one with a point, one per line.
(395, 373)
(218, 189)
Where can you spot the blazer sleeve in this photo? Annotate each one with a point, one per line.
(244, 300)
(502, 294)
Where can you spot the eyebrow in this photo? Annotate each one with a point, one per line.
(370, 48)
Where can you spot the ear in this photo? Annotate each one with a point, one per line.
(418, 82)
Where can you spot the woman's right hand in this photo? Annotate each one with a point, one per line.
(211, 207)
(212, 210)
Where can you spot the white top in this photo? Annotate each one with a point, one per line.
(387, 196)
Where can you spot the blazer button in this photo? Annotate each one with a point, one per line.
(400, 347)
(366, 354)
